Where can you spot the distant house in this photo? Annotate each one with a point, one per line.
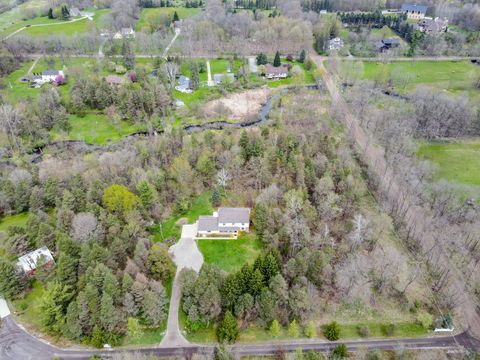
(74, 12)
(272, 72)
(183, 85)
(433, 27)
(220, 78)
(114, 80)
(414, 11)
(46, 76)
(30, 262)
(124, 33)
(335, 44)
(225, 222)
(387, 44)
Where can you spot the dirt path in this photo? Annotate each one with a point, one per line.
(209, 72)
(414, 216)
(165, 52)
(33, 66)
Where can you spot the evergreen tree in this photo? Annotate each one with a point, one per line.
(216, 200)
(262, 59)
(53, 306)
(10, 282)
(50, 13)
(108, 314)
(194, 76)
(227, 331)
(146, 193)
(97, 339)
(332, 331)
(301, 58)
(293, 330)
(175, 17)
(260, 220)
(310, 330)
(66, 269)
(275, 328)
(276, 61)
(72, 328)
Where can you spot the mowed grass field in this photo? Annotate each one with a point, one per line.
(458, 162)
(96, 129)
(55, 26)
(231, 255)
(182, 13)
(450, 75)
(18, 13)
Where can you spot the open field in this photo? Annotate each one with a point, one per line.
(451, 75)
(458, 161)
(243, 250)
(18, 13)
(150, 12)
(96, 129)
(56, 26)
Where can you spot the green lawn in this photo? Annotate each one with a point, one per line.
(18, 13)
(181, 12)
(28, 308)
(96, 129)
(13, 220)
(401, 329)
(451, 75)
(231, 255)
(149, 336)
(57, 26)
(458, 162)
(200, 206)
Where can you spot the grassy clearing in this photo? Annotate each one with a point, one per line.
(231, 255)
(168, 229)
(150, 12)
(458, 162)
(13, 220)
(96, 129)
(28, 308)
(19, 13)
(452, 75)
(56, 26)
(401, 329)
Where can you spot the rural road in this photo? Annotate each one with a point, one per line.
(16, 344)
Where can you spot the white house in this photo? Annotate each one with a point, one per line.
(414, 11)
(47, 76)
(125, 33)
(28, 263)
(225, 222)
(183, 85)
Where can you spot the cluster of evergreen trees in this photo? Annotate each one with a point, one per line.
(256, 4)
(61, 12)
(316, 5)
(378, 20)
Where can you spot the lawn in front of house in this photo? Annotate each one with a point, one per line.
(95, 129)
(231, 255)
(28, 307)
(182, 13)
(458, 161)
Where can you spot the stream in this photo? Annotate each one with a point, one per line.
(80, 145)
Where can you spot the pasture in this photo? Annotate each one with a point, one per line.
(151, 13)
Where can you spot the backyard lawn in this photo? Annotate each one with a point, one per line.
(200, 206)
(458, 162)
(151, 12)
(243, 250)
(96, 129)
(13, 220)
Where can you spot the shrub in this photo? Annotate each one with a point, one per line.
(363, 331)
(340, 352)
(293, 330)
(275, 329)
(388, 330)
(425, 319)
(227, 331)
(310, 330)
(332, 331)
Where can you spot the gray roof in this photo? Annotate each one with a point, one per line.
(415, 7)
(207, 223)
(392, 41)
(234, 215)
(282, 69)
(218, 78)
(184, 81)
(50, 72)
(29, 261)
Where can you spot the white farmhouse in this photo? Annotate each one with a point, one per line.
(227, 222)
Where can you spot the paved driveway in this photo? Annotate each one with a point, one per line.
(185, 254)
(4, 310)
